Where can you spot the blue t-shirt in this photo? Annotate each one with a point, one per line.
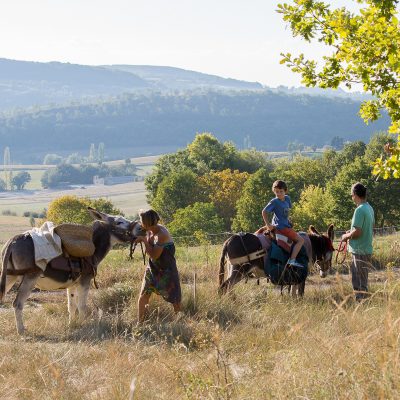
(280, 208)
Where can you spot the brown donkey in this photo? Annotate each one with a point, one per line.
(246, 253)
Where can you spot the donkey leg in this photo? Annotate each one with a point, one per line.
(235, 277)
(72, 303)
(301, 287)
(24, 291)
(82, 291)
(10, 282)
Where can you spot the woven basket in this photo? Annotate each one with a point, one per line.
(77, 239)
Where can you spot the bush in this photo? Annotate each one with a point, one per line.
(9, 212)
(72, 209)
(52, 159)
(195, 221)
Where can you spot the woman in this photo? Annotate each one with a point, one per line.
(161, 276)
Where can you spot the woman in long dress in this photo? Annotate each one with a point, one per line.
(161, 276)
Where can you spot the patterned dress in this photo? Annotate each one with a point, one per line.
(162, 277)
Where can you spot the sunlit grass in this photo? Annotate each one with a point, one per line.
(253, 343)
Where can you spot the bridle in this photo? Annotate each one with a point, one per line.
(128, 236)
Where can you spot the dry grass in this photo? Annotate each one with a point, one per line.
(251, 344)
(129, 197)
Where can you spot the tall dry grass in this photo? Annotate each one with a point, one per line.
(251, 344)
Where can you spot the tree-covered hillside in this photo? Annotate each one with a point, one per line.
(169, 121)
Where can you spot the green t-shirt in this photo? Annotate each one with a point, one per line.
(364, 219)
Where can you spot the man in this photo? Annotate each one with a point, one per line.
(360, 240)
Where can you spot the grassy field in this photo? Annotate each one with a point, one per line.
(128, 197)
(252, 344)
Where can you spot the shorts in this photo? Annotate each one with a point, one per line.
(289, 233)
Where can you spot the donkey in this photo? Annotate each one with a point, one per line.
(18, 265)
(238, 248)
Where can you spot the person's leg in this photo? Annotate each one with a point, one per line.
(177, 307)
(142, 306)
(299, 241)
(359, 275)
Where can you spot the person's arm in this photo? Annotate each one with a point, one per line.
(269, 208)
(154, 250)
(354, 233)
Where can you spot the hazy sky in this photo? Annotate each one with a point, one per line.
(239, 39)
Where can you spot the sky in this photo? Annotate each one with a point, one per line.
(239, 39)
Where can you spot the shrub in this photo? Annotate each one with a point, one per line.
(9, 212)
(72, 209)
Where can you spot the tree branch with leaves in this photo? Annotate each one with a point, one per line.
(364, 49)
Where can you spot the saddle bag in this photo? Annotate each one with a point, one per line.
(76, 239)
(63, 269)
(279, 272)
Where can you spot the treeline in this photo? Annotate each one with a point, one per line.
(83, 174)
(269, 120)
(210, 186)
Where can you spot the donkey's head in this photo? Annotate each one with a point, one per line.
(120, 228)
(322, 248)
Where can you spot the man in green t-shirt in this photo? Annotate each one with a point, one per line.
(360, 240)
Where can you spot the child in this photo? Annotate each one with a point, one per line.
(161, 276)
(280, 206)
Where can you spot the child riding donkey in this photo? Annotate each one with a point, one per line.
(280, 224)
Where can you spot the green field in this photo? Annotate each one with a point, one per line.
(128, 197)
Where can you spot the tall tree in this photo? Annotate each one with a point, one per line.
(177, 190)
(7, 168)
(20, 180)
(256, 194)
(224, 189)
(364, 48)
(92, 153)
(100, 153)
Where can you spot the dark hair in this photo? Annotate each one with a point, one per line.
(149, 217)
(279, 185)
(359, 189)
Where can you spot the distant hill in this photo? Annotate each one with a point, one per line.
(26, 84)
(29, 84)
(181, 79)
(158, 122)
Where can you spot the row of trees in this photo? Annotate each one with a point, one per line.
(96, 155)
(211, 186)
(166, 121)
(83, 174)
(11, 181)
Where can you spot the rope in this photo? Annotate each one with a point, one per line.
(342, 248)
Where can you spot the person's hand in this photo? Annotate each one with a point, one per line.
(346, 236)
(140, 239)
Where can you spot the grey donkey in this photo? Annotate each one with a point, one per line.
(18, 265)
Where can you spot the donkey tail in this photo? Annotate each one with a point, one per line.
(222, 262)
(6, 253)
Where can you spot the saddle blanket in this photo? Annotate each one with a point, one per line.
(47, 244)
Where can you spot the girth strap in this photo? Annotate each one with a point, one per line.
(247, 258)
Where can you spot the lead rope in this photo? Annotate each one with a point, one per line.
(342, 248)
(132, 250)
(143, 253)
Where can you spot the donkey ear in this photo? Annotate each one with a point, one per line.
(312, 229)
(97, 214)
(331, 233)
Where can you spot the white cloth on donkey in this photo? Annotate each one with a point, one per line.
(47, 244)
